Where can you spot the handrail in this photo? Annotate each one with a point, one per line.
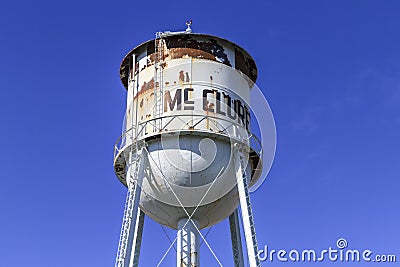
(254, 142)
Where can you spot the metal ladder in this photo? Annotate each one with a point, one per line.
(129, 215)
(158, 81)
(247, 212)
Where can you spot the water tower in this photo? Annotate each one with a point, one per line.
(186, 154)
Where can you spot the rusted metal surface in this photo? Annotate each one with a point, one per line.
(184, 77)
(146, 86)
(211, 46)
(198, 46)
(245, 64)
(176, 53)
(189, 52)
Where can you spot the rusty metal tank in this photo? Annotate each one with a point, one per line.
(188, 99)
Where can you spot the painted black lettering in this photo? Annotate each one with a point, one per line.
(188, 103)
(218, 104)
(171, 103)
(207, 106)
(231, 111)
(240, 111)
(247, 120)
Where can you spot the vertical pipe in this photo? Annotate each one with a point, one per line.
(131, 96)
(188, 243)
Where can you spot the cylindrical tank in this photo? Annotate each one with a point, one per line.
(188, 101)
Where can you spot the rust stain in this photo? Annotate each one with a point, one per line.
(181, 76)
(151, 59)
(145, 87)
(210, 46)
(174, 53)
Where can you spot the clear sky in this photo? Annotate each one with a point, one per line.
(329, 69)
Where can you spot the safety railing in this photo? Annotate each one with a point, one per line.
(228, 128)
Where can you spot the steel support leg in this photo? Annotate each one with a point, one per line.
(137, 239)
(188, 243)
(236, 240)
(247, 213)
(132, 228)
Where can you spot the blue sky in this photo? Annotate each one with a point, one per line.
(329, 69)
